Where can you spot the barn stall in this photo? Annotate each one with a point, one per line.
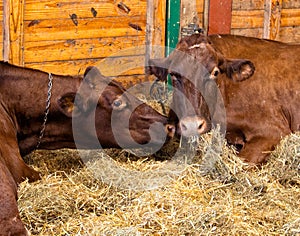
(220, 197)
(65, 37)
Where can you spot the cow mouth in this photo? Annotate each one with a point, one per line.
(192, 126)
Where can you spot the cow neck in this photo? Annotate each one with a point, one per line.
(24, 94)
(56, 130)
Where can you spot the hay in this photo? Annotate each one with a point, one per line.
(213, 193)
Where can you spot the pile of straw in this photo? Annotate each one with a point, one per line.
(208, 192)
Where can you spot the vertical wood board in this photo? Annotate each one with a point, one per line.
(219, 16)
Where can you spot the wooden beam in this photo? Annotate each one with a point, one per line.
(205, 16)
(13, 31)
(156, 27)
(6, 41)
(219, 16)
(188, 13)
(272, 18)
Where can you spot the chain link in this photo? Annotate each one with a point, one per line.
(48, 102)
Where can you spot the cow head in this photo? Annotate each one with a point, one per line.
(195, 66)
(102, 111)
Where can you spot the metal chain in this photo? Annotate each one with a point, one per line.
(48, 103)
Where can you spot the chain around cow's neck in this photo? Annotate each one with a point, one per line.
(48, 102)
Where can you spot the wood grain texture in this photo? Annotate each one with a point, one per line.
(45, 10)
(272, 18)
(133, 65)
(290, 17)
(156, 26)
(247, 19)
(13, 31)
(45, 51)
(239, 5)
(61, 29)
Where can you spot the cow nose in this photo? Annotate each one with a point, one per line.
(192, 126)
(170, 130)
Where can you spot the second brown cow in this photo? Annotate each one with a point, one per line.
(257, 112)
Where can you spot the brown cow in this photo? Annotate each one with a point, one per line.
(23, 112)
(259, 111)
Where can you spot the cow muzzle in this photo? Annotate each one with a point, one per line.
(193, 126)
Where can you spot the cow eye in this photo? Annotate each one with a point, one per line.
(118, 104)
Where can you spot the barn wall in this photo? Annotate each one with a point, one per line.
(254, 18)
(272, 19)
(65, 37)
(68, 36)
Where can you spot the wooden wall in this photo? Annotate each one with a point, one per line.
(65, 37)
(272, 19)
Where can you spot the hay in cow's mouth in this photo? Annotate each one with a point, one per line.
(214, 194)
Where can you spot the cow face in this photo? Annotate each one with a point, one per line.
(195, 66)
(102, 111)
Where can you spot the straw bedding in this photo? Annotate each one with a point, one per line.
(213, 193)
(208, 191)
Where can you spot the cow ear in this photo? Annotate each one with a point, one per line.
(70, 104)
(159, 68)
(239, 70)
(93, 77)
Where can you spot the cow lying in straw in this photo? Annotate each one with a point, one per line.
(27, 122)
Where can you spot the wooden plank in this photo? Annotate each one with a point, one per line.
(156, 26)
(291, 4)
(272, 18)
(206, 16)
(130, 80)
(5, 23)
(43, 51)
(200, 6)
(200, 10)
(189, 13)
(247, 19)
(238, 5)
(290, 17)
(61, 29)
(110, 67)
(1, 34)
(219, 16)
(251, 32)
(1, 10)
(13, 31)
(52, 9)
(289, 35)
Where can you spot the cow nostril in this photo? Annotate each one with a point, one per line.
(183, 127)
(170, 130)
(201, 125)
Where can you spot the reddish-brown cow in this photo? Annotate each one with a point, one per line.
(259, 111)
(23, 93)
